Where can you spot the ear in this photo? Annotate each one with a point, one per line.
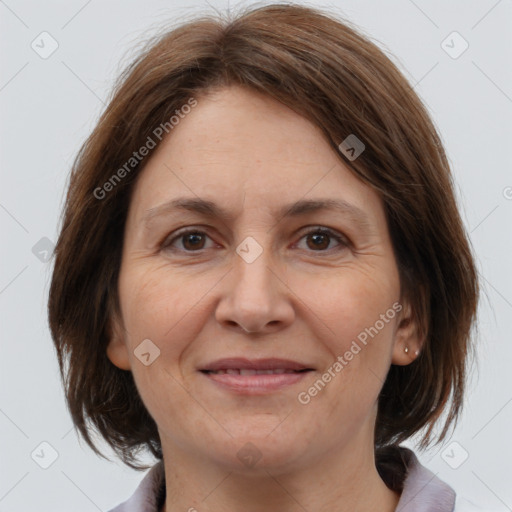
(407, 337)
(117, 351)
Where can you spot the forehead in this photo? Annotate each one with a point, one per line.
(242, 147)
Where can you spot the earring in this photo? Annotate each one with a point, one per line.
(406, 350)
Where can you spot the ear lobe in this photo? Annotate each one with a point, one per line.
(408, 342)
(117, 351)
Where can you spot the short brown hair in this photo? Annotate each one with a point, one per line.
(327, 72)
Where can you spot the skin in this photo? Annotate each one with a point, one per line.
(252, 155)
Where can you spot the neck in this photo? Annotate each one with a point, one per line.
(342, 480)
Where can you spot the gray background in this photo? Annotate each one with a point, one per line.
(48, 107)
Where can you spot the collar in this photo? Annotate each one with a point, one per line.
(422, 490)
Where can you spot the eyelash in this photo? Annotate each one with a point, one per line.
(166, 242)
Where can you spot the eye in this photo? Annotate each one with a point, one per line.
(318, 239)
(193, 240)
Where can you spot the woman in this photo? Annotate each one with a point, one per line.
(262, 276)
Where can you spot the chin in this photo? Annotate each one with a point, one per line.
(257, 450)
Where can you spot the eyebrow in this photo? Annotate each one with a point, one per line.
(211, 210)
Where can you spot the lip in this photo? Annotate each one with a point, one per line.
(255, 384)
(240, 363)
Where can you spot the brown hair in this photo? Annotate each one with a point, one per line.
(323, 69)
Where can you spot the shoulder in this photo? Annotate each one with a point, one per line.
(423, 491)
(149, 494)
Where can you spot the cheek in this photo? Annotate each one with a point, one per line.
(163, 306)
(359, 311)
(354, 305)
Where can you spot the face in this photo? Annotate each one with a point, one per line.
(266, 308)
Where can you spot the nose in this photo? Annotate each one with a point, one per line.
(256, 297)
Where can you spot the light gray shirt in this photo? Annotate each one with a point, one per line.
(422, 492)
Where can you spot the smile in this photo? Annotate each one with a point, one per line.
(254, 377)
(245, 371)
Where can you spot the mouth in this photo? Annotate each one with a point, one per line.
(248, 371)
(255, 377)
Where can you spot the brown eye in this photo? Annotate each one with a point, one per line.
(191, 241)
(320, 239)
